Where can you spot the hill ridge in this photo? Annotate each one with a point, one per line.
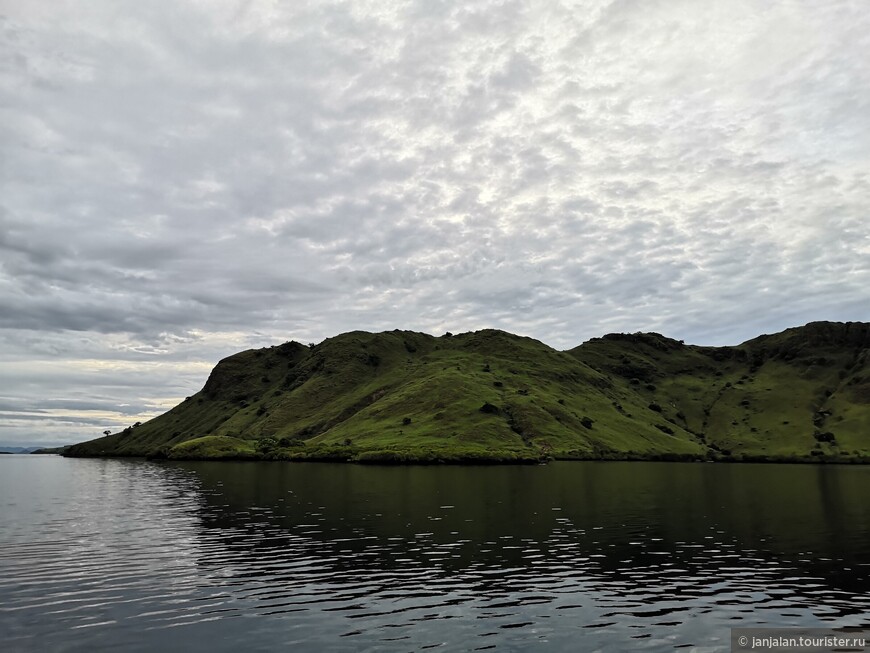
(487, 395)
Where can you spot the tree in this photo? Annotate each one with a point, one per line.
(265, 445)
(107, 432)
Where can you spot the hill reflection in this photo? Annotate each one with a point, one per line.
(636, 546)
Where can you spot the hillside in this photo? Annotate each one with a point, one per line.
(803, 394)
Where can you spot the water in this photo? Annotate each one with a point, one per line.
(139, 556)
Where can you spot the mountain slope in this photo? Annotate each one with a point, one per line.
(805, 391)
(490, 395)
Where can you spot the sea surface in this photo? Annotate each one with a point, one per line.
(130, 555)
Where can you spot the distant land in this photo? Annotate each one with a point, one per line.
(32, 449)
(4, 449)
(54, 450)
(802, 395)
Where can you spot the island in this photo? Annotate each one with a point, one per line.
(802, 395)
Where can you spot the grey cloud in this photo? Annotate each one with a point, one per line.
(67, 420)
(83, 402)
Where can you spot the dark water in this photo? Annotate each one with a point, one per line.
(138, 556)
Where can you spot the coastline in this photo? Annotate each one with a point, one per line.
(438, 457)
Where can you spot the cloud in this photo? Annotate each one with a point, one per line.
(181, 180)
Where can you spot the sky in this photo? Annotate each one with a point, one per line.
(181, 180)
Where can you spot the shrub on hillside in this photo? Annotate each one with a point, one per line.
(824, 437)
(265, 445)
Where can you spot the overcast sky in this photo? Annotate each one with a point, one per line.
(181, 180)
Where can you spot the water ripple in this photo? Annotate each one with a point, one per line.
(259, 556)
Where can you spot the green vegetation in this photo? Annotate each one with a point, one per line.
(489, 396)
(52, 450)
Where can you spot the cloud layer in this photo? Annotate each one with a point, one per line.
(182, 179)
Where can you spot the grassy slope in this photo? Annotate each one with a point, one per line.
(803, 392)
(403, 395)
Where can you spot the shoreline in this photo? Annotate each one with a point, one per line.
(430, 458)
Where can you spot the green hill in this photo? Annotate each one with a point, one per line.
(402, 396)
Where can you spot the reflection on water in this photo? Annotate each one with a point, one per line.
(572, 556)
